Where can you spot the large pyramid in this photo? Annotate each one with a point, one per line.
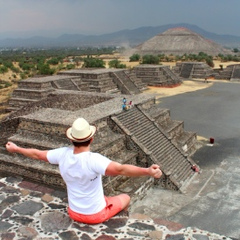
(178, 41)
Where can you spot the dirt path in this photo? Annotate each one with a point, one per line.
(186, 86)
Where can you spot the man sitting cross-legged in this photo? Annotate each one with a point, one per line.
(82, 172)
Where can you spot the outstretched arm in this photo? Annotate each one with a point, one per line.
(28, 152)
(115, 169)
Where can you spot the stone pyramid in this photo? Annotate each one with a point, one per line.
(178, 41)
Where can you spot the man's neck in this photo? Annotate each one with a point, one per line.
(81, 149)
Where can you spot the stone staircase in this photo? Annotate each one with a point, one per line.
(125, 83)
(173, 129)
(147, 136)
(172, 77)
(186, 70)
(137, 81)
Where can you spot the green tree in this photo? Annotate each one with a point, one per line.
(53, 61)
(26, 66)
(15, 69)
(3, 69)
(210, 62)
(44, 69)
(116, 64)
(90, 62)
(8, 64)
(70, 66)
(150, 59)
(134, 58)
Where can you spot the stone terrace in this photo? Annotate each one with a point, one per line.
(43, 126)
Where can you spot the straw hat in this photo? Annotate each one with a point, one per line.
(80, 131)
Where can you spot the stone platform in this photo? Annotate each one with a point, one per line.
(34, 211)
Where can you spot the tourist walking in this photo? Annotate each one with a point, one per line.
(82, 172)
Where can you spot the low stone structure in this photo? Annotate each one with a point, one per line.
(231, 73)
(157, 75)
(111, 81)
(142, 135)
(201, 70)
(194, 70)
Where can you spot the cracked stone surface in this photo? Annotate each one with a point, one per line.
(25, 214)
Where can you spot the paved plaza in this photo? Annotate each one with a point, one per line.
(212, 201)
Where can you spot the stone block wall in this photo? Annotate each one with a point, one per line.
(156, 75)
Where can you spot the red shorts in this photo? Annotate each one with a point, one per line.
(113, 206)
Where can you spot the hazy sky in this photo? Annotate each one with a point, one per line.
(56, 17)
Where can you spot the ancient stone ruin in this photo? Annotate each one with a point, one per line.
(179, 41)
(157, 75)
(43, 108)
(190, 70)
(231, 73)
(200, 70)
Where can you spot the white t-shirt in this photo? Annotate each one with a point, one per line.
(82, 174)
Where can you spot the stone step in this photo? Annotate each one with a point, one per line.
(33, 134)
(182, 138)
(12, 109)
(186, 141)
(19, 102)
(65, 84)
(158, 114)
(110, 145)
(36, 83)
(114, 91)
(102, 89)
(18, 165)
(42, 141)
(133, 186)
(124, 157)
(44, 127)
(30, 93)
(172, 127)
(136, 188)
(167, 154)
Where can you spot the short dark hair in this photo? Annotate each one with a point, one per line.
(82, 144)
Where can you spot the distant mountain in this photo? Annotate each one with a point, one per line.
(125, 37)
